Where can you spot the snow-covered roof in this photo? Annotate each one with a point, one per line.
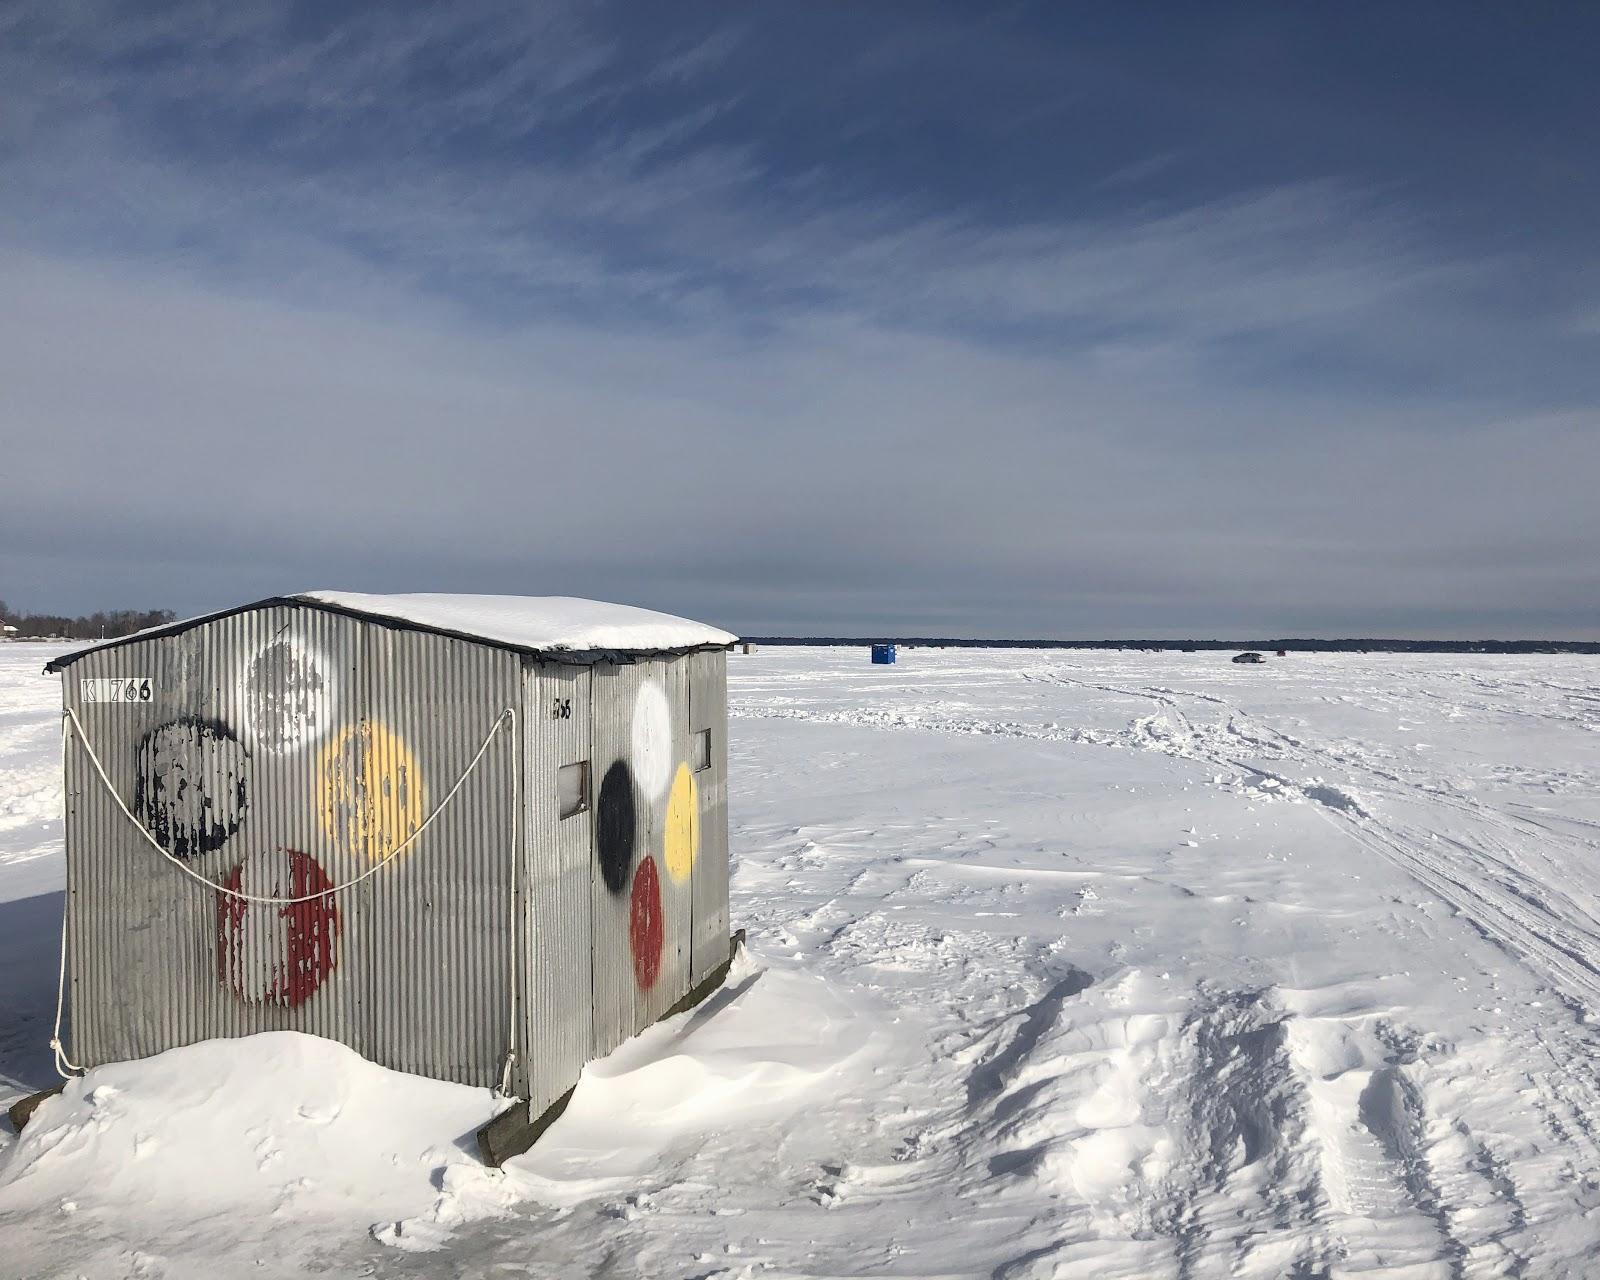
(532, 624)
(536, 623)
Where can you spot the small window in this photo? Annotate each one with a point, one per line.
(700, 751)
(572, 788)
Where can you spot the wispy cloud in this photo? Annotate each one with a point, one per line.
(533, 297)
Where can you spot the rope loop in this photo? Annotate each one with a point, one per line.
(65, 1067)
(506, 717)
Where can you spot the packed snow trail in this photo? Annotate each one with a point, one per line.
(1517, 868)
(1522, 883)
(1061, 965)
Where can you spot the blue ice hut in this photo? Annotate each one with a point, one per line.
(883, 654)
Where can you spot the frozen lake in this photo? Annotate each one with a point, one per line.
(1062, 963)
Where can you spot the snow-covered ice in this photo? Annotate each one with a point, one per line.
(1061, 964)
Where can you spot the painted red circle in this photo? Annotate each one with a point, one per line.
(270, 954)
(644, 924)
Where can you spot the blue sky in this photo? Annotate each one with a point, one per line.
(1020, 320)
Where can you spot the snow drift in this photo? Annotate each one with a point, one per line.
(284, 1128)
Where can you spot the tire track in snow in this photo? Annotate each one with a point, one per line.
(1485, 881)
(1517, 918)
(1570, 961)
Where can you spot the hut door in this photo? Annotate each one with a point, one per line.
(557, 994)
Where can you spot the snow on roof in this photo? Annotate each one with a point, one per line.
(534, 624)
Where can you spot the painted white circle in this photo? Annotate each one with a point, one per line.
(288, 697)
(652, 741)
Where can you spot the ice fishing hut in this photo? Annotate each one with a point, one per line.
(883, 654)
(479, 838)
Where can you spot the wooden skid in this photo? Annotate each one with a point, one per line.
(22, 1109)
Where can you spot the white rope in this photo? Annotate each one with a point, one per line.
(65, 1066)
(508, 716)
(511, 930)
(69, 720)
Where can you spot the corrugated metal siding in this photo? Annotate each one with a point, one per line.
(556, 983)
(419, 953)
(675, 900)
(341, 736)
(708, 709)
(613, 689)
(642, 915)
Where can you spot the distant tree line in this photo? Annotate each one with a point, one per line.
(110, 624)
(1189, 646)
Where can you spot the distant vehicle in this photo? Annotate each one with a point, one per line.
(1252, 656)
(1283, 653)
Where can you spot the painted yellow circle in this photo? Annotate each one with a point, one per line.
(683, 825)
(370, 790)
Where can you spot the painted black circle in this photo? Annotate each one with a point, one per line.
(614, 822)
(191, 785)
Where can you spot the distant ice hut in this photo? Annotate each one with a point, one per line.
(479, 838)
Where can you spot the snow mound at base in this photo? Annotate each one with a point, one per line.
(762, 1048)
(276, 1130)
(283, 1121)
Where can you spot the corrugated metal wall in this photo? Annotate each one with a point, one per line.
(650, 843)
(622, 828)
(708, 711)
(283, 751)
(669, 793)
(557, 984)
